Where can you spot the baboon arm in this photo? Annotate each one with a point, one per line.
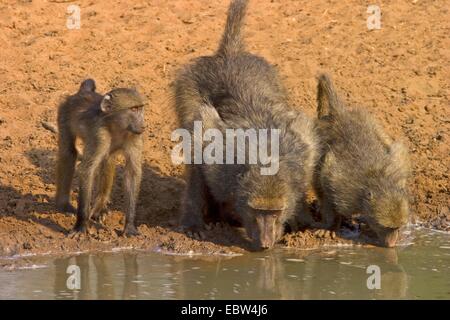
(303, 217)
(329, 218)
(132, 180)
(194, 202)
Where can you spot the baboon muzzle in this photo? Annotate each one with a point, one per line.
(389, 239)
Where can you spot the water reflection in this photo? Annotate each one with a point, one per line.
(417, 271)
(296, 275)
(97, 280)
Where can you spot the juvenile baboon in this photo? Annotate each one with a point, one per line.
(361, 171)
(234, 89)
(107, 125)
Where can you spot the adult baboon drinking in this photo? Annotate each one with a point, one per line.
(234, 89)
(362, 170)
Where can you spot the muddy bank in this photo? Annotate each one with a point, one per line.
(399, 72)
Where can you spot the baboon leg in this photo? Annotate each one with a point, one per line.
(132, 180)
(105, 184)
(194, 200)
(93, 156)
(67, 157)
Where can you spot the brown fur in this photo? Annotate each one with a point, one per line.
(238, 90)
(107, 125)
(362, 171)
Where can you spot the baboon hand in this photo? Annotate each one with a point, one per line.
(324, 233)
(194, 232)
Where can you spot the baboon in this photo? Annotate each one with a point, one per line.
(361, 170)
(234, 89)
(107, 125)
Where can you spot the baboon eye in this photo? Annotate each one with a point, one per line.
(135, 109)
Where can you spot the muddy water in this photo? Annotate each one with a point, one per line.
(420, 270)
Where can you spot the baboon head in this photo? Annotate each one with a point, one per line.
(124, 109)
(386, 199)
(386, 211)
(263, 205)
(262, 202)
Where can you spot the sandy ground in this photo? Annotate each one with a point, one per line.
(401, 73)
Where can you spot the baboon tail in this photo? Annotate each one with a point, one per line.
(87, 85)
(328, 101)
(231, 42)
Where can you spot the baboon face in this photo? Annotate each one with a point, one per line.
(125, 109)
(263, 209)
(132, 120)
(266, 228)
(387, 237)
(387, 213)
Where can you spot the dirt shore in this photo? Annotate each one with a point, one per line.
(401, 73)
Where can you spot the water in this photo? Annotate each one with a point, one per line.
(417, 271)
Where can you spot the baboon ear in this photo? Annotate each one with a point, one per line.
(105, 105)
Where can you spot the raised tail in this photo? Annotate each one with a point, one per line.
(328, 101)
(231, 42)
(87, 85)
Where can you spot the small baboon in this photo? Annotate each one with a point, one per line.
(234, 89)
(107, 125)
(361, 170)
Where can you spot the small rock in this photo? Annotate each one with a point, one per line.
(27, 246)
(51, 33)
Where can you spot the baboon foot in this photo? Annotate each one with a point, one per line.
(78, 232)
(100, 216)
(130, 231)
(98, 225)
(66, 207)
